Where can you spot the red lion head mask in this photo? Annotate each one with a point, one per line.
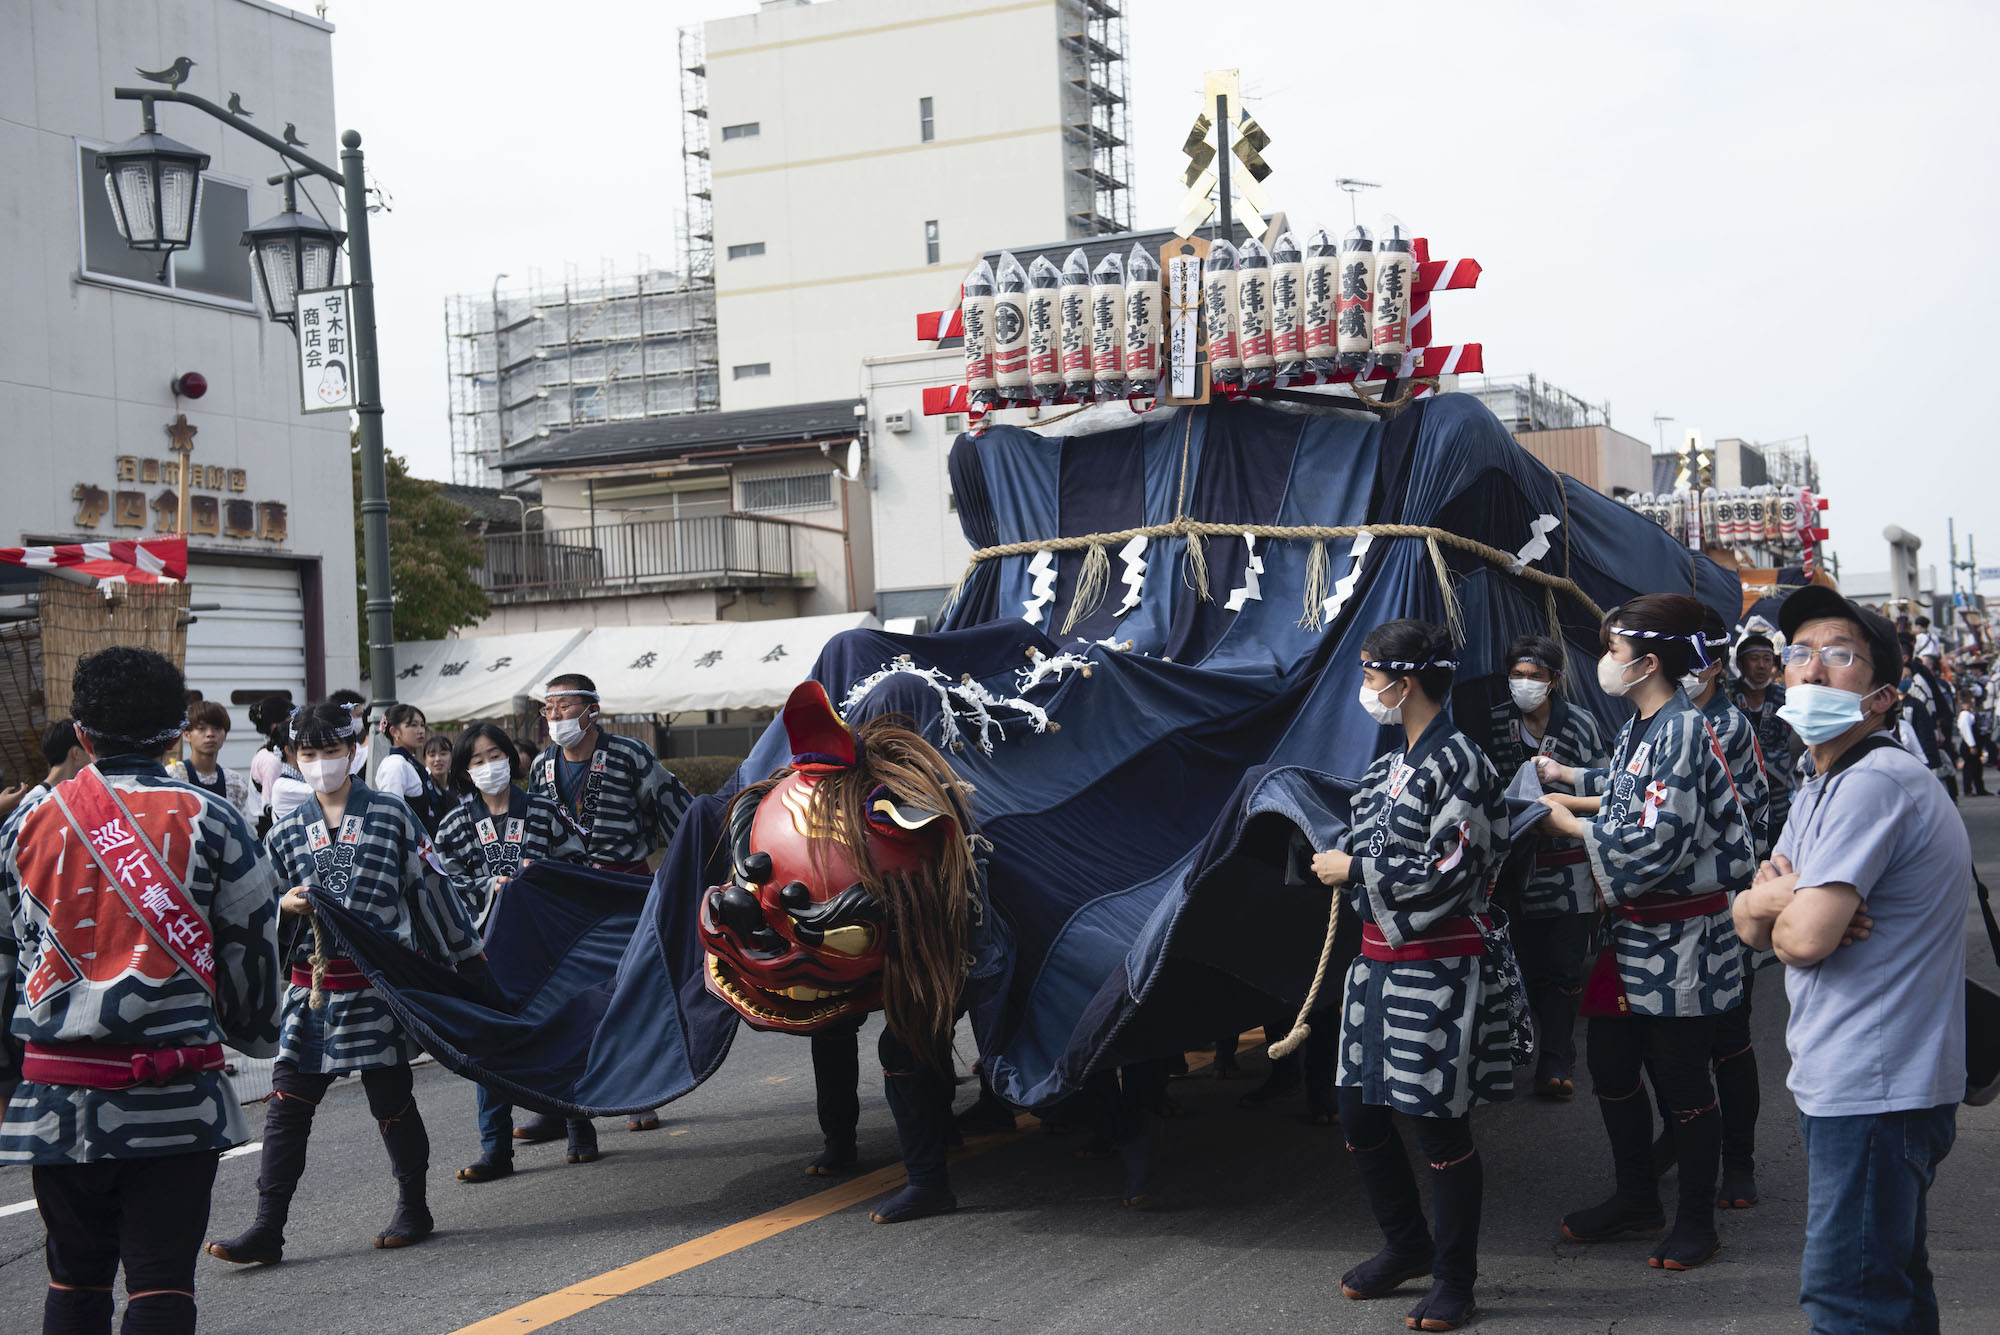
(796, 941)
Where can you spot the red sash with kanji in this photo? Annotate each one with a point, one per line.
(136, 871)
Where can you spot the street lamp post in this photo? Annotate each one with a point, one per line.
(154, 185)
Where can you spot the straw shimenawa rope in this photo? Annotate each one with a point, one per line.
(316, 998)
(1092, 583)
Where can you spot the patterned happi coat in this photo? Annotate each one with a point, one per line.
(628, 802)
(76, 966)
(1572, 739)
(1671, 824)
(478, 849)
(376, 863)
(1780, 746)
(1425, 1037)
(1738, 739)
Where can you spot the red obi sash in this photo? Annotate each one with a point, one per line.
(1454, 938)
(113, 1065)
(342, 975)
(1560, 857)
(1652, 909)
(638, 868)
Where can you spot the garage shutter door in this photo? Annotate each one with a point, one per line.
(256, 641)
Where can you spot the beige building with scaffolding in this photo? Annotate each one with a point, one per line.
(841, 175)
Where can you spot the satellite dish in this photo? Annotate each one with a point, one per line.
(852, 472)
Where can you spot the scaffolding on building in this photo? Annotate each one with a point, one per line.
(697, 221)
(1529, 403)
(1789, 462)
(528, 363)
(1096, 100)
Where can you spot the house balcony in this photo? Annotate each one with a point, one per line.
(658, 555)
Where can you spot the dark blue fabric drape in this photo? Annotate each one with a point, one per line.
(1141, 888)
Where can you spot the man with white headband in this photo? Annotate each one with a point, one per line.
(619, 799)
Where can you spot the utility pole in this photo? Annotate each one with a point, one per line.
(1951, 559)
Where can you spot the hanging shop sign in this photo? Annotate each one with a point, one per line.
(326, 356)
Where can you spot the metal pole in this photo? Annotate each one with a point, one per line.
(1222, 161)
(381, 603)
(1951, 557)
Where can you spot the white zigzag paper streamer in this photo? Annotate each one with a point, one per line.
(1252, 586)
(1132, 554)
(1043, 570)
(961, 704)
(1537, 545)
(1345, 588)
(1044, 668)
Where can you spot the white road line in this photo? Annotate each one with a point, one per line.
(22, 1207)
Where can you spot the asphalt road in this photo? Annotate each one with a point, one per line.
(1254, 1216)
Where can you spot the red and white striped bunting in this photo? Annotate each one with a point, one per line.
(145, 561)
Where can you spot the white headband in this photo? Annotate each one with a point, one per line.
(550, 693)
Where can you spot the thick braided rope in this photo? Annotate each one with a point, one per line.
(1196, 528)
(1284, 1047)
(316, 995)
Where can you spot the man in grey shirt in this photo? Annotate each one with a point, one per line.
(1874, 857)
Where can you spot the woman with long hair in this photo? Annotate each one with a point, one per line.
(1668, 839)
(1420, 849)
(365, 849)
(492, 834)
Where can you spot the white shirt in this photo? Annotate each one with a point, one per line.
(397, 775)
(1965, 736)
(1928, 645)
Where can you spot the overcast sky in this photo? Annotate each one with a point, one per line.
(1762, 220)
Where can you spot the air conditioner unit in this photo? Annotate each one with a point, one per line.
(899, 423)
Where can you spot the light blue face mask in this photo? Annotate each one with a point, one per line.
(1821, 713)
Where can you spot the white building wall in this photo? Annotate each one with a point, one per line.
(838, 182)
(920, 550)
(85, 364)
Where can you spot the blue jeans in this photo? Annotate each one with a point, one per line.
(1865, 1268)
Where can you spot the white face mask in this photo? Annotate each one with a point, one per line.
(1693, 684)
(491, 777)
(1528, 693)
(324, 776)
(569, 731)
(1611, 676)
(1371, 700)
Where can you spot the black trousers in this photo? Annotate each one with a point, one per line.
(1975, 770)
(1674, 1052)
(148, 1215)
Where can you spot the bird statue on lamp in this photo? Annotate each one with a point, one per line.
(236, 107)
(173, 76)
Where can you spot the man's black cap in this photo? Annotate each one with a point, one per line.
(1816, 602)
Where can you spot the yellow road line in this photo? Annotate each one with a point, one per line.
(586, 1294)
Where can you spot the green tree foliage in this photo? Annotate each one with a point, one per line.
(431, 557)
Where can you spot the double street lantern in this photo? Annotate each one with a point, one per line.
(289, 254)
(155, 187)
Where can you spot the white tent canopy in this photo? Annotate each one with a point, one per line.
(638, 669)
(718, 665)
(479, 676)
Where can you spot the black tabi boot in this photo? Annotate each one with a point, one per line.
(1225, 1058)
(1665, 1156)
(1693, 1241)
(539, 1127)
(409, 1147)
(1391, 1188)
(921, 1103)
(1555, 1011)
(1458, 1190)
(1143, 1095)
(582, 1147)
(989, 1115)
(77, 1312)
(1736, 1087)
(1634, 1207)
(287, 1127)
(494, 1162)
(836, 1062)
